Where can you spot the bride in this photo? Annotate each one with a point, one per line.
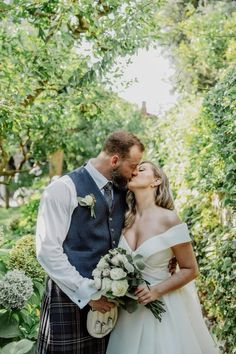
(154, 230)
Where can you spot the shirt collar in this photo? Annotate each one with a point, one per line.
(99, 179)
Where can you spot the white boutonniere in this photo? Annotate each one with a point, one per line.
(88, 201)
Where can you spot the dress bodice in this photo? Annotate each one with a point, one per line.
(157, 251)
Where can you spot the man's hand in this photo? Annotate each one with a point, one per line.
(101, 305)
(172, 265)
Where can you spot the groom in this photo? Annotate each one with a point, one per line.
(72, 235)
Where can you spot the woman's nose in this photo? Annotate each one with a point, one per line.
(135, 172)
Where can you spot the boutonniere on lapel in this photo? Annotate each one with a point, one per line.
(88, 201)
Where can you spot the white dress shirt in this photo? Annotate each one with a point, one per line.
(56, 208)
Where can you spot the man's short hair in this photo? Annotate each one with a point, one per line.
(120, 142)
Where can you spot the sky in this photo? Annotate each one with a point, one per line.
(153, 72)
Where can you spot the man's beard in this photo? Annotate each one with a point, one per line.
(119, 180)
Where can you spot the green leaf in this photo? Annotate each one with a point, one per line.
(3, 268)
(40, 287)
(9, 326)
(131, 305)
(137, 257)
(4, 253)
(21, 347)
(138, 261)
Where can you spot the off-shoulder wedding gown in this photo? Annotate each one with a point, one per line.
(182, 329)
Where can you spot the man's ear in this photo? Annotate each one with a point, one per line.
(115, 160)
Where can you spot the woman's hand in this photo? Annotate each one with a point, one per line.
(146, 294)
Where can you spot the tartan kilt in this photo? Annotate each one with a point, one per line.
(63, 326)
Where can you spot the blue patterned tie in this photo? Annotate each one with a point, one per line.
(108, 194)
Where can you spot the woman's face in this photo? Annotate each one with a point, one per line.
(144, 179)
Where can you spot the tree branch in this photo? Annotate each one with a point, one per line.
(4, 156)
(13, 172)
(24, 151)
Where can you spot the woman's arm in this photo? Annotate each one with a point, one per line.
(188, 271)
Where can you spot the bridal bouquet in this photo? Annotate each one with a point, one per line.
(117, 275)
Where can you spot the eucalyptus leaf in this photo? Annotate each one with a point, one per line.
(131, 305)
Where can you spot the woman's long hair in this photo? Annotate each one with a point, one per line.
(163, 196)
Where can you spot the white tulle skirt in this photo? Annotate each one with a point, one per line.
(181, 331)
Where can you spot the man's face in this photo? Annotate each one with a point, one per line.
(127, 167)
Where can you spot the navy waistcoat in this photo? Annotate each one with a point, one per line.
(90, 238)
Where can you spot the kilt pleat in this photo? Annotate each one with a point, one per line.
(63, 326)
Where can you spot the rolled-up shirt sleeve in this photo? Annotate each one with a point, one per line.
(54, 217)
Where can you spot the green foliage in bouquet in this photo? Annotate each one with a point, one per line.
(117, 276)
(23, 256)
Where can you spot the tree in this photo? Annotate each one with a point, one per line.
(200, 40)
(53, 55)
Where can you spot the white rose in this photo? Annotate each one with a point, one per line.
(106, 257)
(89, 200)
(97, 283)
(123, 258)
(117, 273)
(96, 273)
(119, 287)
(106, 284)
(106, 272)
(115, 260)
(128, 266)
(113, 252)
(102, 264)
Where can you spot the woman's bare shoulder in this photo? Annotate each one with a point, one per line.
(169, 217)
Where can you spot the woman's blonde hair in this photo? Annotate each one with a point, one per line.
(163, 196)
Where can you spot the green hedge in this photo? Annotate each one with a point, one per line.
(215, 249)
(196, 145)
(22, 256)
